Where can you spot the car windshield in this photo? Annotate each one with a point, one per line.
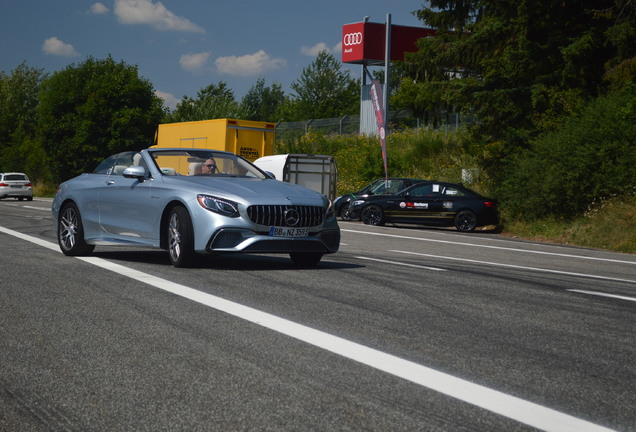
(203, 163)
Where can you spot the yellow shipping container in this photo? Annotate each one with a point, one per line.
(247, 138)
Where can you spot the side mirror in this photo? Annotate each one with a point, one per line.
(137, 172)
(270, 175)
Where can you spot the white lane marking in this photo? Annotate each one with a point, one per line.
(512, 407)
(490, 247)
(400, 263)
(48, 209)
(36, 240)
(517, 267)
(602, 294)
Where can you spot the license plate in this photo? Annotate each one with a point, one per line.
(288, 232)
(16, 187)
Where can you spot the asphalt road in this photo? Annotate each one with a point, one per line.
(402, 330)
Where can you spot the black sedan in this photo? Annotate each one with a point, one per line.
(378, 187)
(428, 203)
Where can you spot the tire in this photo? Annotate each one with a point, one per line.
(305, 259)
(70, 232)
(465, 221)
(345, 212)
(180, 238)
(372, 215)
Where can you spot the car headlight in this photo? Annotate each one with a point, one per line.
(330, 211)
(357, 203)
(221, 206)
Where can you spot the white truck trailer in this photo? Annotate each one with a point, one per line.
(316, 172)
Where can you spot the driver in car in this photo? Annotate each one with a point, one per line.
(209, 167)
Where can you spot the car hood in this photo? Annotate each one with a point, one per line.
(249, 189)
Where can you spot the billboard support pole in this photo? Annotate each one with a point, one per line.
(387, 69)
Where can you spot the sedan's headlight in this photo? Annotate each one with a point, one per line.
(330, 211)
(218, 205)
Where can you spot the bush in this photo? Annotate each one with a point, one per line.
(593, 155)
(419, 153)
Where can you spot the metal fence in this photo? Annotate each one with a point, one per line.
(398, 120)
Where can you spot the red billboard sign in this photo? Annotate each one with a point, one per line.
(364, 41)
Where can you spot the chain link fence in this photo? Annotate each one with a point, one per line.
(398, 120)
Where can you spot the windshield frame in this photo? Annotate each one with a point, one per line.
(183, 162)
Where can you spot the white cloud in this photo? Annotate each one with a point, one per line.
(54, 46)
(98, 9)
(249, 64)
(169, 100)
(154, 14)
(314, 50)
(321, 46)
(194, 62)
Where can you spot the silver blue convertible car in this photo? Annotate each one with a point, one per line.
(192, 202)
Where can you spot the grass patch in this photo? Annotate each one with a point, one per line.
(610, 224)
(44, 189)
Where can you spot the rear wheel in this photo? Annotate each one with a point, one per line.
(70, 232)
(305, 259)
(180, 238)
(466, 221)
(372, 215)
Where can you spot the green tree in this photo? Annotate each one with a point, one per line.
(323, 90)
(262, 103)
(521, 67)
(212, 102)
(512, 63)
(18, 118)
(92, 110)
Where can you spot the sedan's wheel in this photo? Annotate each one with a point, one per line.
(466, 221)
(372, 215)
(345, 212)
(70, 232)
(305, 259)
(180, 238)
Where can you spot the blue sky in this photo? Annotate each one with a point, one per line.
(181, 46)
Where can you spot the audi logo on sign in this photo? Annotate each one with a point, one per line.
(352, 39)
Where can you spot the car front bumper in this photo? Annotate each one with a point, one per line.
(228, 240)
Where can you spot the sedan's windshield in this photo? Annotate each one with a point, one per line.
(203, 163)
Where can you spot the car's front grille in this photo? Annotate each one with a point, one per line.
(284, 215)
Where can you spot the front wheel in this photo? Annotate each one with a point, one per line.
(372, 215)
(305, 259)
(70, 232)
(180, 238)
(345, 212)
(466, 221)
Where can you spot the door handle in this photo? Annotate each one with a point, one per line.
(110, 182)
